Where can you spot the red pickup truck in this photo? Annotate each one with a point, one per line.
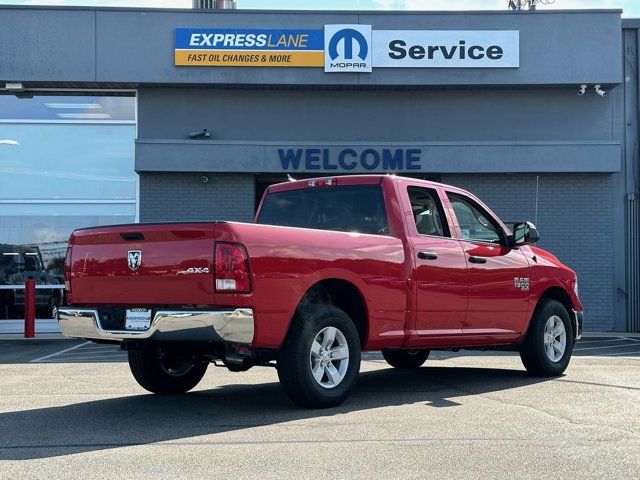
(331, 267)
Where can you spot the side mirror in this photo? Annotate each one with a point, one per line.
(524, 233)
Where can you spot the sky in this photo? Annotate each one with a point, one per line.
(631, 7)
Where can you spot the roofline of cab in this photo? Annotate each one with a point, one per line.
(364, 179)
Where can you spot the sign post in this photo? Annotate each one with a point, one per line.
(29, 308)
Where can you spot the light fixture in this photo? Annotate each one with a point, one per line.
(204, 133)
(14, 86)
(600, 91)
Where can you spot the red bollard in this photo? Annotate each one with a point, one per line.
(29, 308)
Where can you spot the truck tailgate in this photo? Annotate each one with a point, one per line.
(143, 264)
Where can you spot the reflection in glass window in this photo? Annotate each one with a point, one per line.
(55, 108)
(65, 162)
(474, 223)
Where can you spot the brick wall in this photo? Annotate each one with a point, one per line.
(166, 197)
(574, 221)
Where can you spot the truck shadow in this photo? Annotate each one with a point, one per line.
(145, 419)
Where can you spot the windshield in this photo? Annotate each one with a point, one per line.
(351, 208)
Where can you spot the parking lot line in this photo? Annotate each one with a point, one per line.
(620, 354)
(82, 352)
(58, 353)
(86, 356)
(610, 347)
(602, 340)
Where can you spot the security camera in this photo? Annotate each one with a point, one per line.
(204, 133)
(600, 91)
(583, 89)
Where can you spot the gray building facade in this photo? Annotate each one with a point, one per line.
(520, 137)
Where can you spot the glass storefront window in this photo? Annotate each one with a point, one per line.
(65, 162)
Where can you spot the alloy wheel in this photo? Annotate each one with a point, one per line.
(555, 338)
(329, 357)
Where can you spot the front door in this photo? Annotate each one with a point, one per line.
(440, 275)
(498, 301)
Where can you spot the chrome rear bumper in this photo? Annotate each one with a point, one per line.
(234, 326)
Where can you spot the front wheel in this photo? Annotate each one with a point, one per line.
(160, 370)
(547, 348)
(320, 359)
(405, 359)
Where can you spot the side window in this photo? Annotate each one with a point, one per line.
(31, 262)
(427, 212)
(475, 224)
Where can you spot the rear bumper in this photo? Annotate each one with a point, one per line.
(233, 326)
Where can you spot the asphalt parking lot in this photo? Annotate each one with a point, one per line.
(71, 409)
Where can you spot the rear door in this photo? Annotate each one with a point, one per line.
(440, 274)
(498, 275)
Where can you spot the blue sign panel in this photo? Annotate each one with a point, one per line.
(248, 39)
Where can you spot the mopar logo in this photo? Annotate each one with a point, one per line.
(347, 48)
(349, 36)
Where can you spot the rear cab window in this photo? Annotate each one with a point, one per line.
(347, 208)
(428, 214)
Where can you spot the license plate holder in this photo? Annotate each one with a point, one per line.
(137, 319)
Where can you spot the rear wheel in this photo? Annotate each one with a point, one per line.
(320, 359)
(547, 348)
(405, 359)
(160, 370)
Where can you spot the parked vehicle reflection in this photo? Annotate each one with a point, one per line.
(19, 263)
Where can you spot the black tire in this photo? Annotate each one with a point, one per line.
(532, 351)
(161, 371)
(406, 359)
(294, 361)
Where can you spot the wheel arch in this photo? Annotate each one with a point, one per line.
(342, 294)
(557, 293)
(560, 294)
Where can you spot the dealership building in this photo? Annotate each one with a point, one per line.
(121, 115)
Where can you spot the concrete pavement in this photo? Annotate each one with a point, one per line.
(80, 414)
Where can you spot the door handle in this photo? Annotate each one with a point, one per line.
(473, 259)
(428, 255)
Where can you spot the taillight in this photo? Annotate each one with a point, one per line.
(67, 273)
(232, 268)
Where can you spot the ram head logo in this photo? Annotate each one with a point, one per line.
(134, 259)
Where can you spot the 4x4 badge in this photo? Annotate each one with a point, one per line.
(134, 259)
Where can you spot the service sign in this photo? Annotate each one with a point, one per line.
(205, 47)
(347, 48)
(446, 48)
